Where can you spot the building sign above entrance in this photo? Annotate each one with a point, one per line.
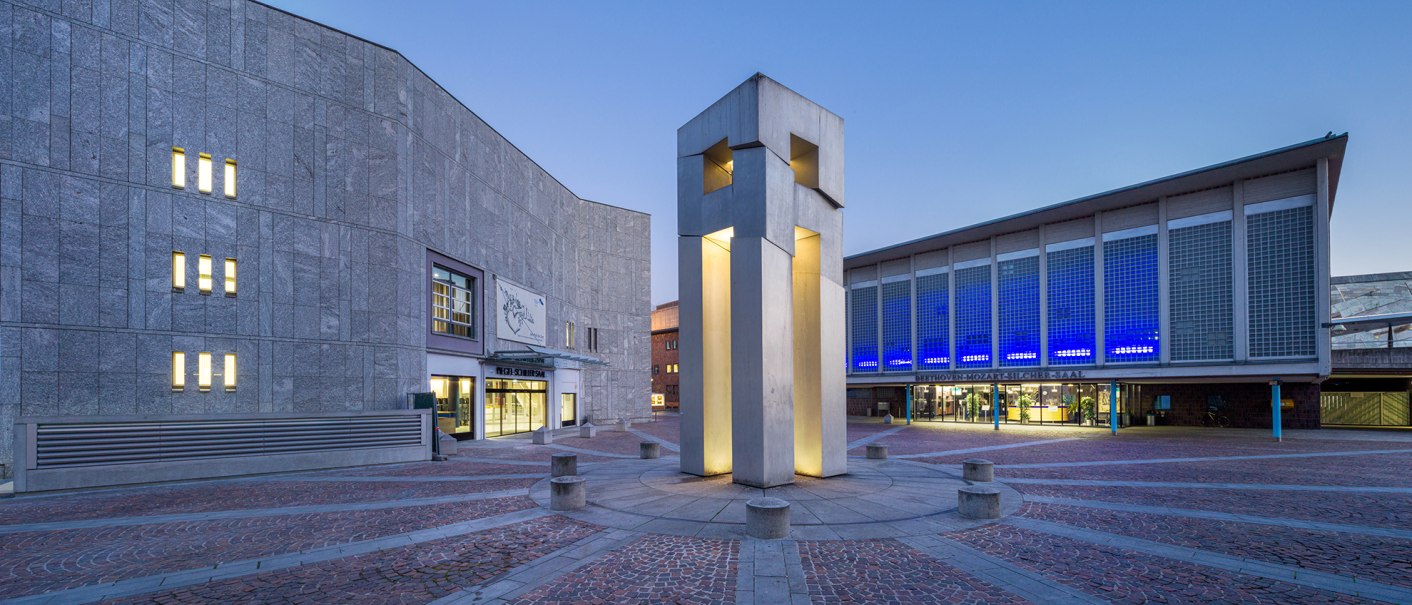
(1002, 376)
(523, 372)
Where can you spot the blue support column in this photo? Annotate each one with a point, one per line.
(1275, 427)
(909, 404)
(1113, 406)
(995, 405)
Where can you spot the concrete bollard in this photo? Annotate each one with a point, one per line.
(976, 469)
(623, 425)
(767, 518)
(447, 444)
(887, 419)
(542, 436)
(975, 502)
(563, 465)
(588, 431)
(649, 450)
(567, 493)
(877, 452)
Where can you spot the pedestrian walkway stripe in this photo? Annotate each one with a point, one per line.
(1382, 532)
(257, 512)
(223, 571)
(988, 448)
(650, 437)
(1032, 586)
(539, 572)
(411, 479)
(871, 438)
(1274, 487)
(1285, 573)
(769, 572)
(1202, 459)
(579, 450)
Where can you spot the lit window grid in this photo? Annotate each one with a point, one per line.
(1017, 281)
(1280, 278)
(973, 317)
(1130, 305)
(1072, 335)
(1199, 279)
(897, 325)
(933, 322)
(453, 310)
(863, 304)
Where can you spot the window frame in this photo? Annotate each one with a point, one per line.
(475, 344)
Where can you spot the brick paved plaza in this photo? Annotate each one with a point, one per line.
(1154, 514)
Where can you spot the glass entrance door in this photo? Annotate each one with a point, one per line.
(514, 406)
(455, 401)
(568, 409)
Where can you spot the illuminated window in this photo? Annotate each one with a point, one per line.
(178, 168)
(973, 316)
(453, 303)
(569, 334)
(178, 371)
(230, 277)
(228, 374)
(863, 310)
(203, 277)
(897, 323)
(203, 173)
(933, 320)
(178, 271)
(1072, 336)
(1018, 289)
(203, 371)
(229, 181)
(1130, 295)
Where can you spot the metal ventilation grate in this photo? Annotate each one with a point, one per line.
(91, 444)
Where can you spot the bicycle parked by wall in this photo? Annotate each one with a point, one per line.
(1214, 418)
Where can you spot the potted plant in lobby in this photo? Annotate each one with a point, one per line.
(973, 406)
(1071, 411)
(1025, 402)
(1086, 408)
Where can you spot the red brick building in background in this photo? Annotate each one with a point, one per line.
(665, 358)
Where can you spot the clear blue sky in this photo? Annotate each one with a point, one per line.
(956, 112)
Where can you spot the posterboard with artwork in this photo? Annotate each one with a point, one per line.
(519, 313)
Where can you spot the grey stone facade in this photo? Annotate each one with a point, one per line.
(352, 164)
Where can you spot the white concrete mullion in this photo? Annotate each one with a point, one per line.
(994, 307)
(951, 308)
(1322, 313)
(912, 289)
(878, 312)
(1164, 286)
(1043, 300)
(1099, 341)
(1240, 281)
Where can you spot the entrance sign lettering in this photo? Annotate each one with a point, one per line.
(1001, 376)
(525, 372)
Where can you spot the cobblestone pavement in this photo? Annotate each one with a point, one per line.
(1160, 515)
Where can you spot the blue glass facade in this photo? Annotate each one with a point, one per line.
(973, 317)
(1072, 334)
(1130, 308)
(897, 326)
(1017, 282)
(933, 321)
(863, 317)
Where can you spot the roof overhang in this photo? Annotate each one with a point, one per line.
(538, 355)
(1293, 157)
(1366, 323)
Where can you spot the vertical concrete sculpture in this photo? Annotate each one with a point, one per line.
(759, 210)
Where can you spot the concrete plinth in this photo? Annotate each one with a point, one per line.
(568, 493)
(649, 450)
(542, 436)
(563, 465)
(447, 444)
(977, 469)
(975, 502)
(767, 518)
(588, 431)
(623, 425)
(877, 452)
(887, 419)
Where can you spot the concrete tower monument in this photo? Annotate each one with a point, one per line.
(759, 210)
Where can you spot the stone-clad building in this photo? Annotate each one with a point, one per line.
(343, 226)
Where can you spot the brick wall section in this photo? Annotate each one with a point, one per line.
(661, 356)
(352, 163)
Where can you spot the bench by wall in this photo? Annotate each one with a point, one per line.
(55, 453)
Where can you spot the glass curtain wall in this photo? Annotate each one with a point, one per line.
(455, 403)
(514, 406)
(1078, 404)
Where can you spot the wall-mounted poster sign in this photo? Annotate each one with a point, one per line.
(519, 313)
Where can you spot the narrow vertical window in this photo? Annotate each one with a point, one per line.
(229, 181)
(569, 335)
(230, 277)
(203, 273)
(178, 168)
(178, 371)
(203, 173)
(228, 374)
(178, 271)
(203, 371)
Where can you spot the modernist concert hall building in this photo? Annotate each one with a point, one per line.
(1184, 295)
(217, 207)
